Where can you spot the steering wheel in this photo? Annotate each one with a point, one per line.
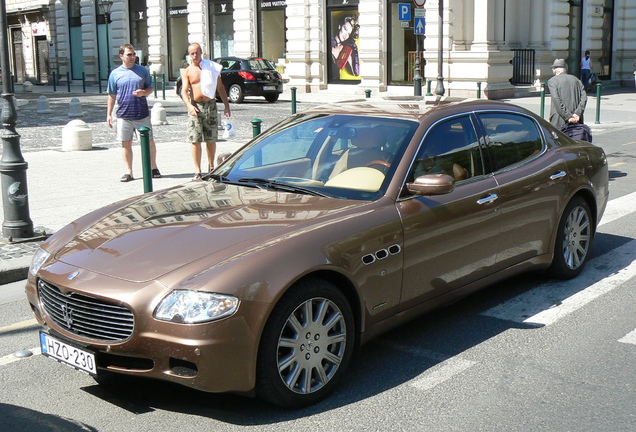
(379, 162)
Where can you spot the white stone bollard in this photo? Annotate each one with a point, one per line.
(27, 86)
(77, 135)
(158, 115)
(43, 105)
(75, 108)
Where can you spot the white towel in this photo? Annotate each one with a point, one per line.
(209, 75)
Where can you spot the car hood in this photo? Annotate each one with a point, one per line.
(158, 233)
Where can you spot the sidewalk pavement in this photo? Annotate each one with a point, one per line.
(66, 185)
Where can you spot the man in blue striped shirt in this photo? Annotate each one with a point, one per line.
(128, 85)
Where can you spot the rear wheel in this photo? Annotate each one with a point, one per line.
(573, 240)
(306, 345)
(235, 93)
(271, 97)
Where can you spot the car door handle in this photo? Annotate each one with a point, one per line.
(558, 175)
(488, 199)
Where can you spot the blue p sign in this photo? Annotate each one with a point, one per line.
(404, 11)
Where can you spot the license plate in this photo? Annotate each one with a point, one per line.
(75, 357)
(269, 88)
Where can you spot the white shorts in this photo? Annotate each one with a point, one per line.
(126, 129)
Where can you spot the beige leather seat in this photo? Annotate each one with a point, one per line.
(367, 149)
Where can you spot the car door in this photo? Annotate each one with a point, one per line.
(533, 182)
(449, 240)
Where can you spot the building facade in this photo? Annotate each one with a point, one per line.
(347, 46)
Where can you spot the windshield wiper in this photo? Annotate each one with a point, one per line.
(273, 184)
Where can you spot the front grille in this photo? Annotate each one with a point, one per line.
(86, 316)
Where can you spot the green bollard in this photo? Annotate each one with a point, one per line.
(543, 84)
(83, 82)
(598, 103)
(478, 89)
(54, 82)
(428, 88)
(293, 92)
(144, 139)
(163, 84)
(68, 81)
(368, 93)
(154, 83)
(256, 127)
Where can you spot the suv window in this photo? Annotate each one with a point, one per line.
(452, 148)
(513, 138)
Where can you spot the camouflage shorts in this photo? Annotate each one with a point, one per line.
(203, 127)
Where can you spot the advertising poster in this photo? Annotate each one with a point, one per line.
(344, 62)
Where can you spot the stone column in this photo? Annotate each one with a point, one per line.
(198, 17)
(306, 66)
(244, 28)
(157, 36)
(372, 48)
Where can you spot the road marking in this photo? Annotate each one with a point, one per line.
(18, 326)
(446, 368)
(619, 207)
(441, 373)
(551, 301)
(12, 358)
(629, 338)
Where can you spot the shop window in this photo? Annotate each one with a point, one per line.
(222, 28)
(75, 30)
(273, 29)
(139, 29)
(402, 51)
(177, 37)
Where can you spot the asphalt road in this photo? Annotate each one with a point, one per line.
(527, 354)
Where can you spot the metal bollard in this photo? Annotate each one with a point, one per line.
(99, 80)
(154, 83)
(83, 82)
(144, 139)
(478, 89)
(256, 127)
(163, 84)
(368, 93)
(543, 84)
(54, 82)
(428, 88)
(598, 103)
(68, 81)
(293, 108)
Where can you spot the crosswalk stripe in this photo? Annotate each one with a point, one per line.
(629, 338)
(619, 207)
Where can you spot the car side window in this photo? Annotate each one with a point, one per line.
(513, 138)
(452, 148)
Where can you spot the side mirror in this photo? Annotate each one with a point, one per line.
(432, 184)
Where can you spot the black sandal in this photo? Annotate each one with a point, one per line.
(126, 178)
(156, 173)
(197, 177)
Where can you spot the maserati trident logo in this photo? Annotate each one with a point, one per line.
(67, 315)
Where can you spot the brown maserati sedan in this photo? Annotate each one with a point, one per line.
(337, 224)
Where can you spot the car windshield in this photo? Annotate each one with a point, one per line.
(260, 64)
(340, 156)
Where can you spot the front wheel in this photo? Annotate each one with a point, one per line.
(573, 240)
(306, 345)
(235, 93)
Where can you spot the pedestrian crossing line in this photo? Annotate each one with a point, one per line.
(619, 207)
(629, 338)
(18, 326)
(551, 301)
(447, 366)
(12, 358)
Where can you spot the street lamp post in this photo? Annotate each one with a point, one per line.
(17, 224)
(105, 7)
(439, 90)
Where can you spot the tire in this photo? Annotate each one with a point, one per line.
(573, 240)
(271, 98)
(235, 93)
(302, 359)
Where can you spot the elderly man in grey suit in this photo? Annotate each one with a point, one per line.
(567, 94)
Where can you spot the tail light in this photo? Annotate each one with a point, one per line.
(247, 76)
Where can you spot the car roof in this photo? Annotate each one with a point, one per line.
(413, 107)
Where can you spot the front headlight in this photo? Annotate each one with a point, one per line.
(191, 307)
(38, 259)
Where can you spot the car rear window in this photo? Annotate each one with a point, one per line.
(260, 64)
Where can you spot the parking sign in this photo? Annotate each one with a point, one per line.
(404, 11)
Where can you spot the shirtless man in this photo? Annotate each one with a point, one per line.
(201, 80)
